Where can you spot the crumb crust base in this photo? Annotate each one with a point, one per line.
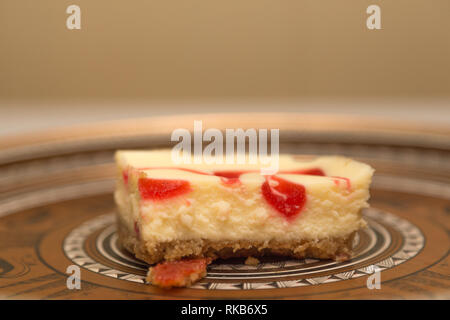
(338, 249)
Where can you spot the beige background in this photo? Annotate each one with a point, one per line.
(160, 56)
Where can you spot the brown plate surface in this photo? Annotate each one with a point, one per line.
(57, 210)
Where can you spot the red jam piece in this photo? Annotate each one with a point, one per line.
(161, 189)
(229, 174)
(337, 181)
(286, 197)
(179, 273)
(312, 172)
(229, 177)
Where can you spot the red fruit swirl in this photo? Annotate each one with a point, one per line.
(161, 189)
(311, 172)
(286, 197)
(125, 177)
(229, 177)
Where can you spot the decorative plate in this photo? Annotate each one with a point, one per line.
(57, 210)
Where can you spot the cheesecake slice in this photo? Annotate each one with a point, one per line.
(309, 208)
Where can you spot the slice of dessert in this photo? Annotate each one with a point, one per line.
(309, 208)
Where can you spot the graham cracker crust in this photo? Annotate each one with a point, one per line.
(339, 249)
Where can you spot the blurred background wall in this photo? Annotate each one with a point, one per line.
(172, 56)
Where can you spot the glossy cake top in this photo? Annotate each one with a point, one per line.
(158, 163)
